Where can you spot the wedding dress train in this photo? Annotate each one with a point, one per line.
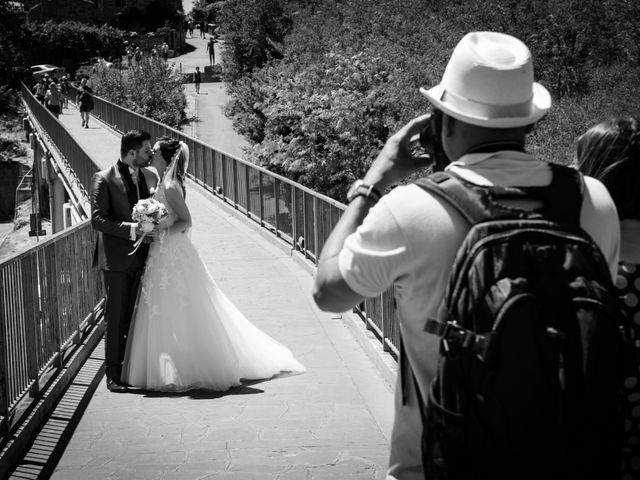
(186, 334)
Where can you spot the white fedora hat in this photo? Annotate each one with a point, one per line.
(489, 82)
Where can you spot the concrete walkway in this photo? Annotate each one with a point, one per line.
(210, 124)
(332, 422)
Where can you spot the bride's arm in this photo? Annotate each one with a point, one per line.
(175, 198)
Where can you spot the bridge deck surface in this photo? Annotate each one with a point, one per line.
(332, 422)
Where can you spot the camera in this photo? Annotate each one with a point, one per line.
(431, 140)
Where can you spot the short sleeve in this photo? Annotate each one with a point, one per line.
(374, 255)
(599, 218)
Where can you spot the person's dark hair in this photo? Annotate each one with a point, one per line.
(132, 140)
(168, 148)
(610, 152)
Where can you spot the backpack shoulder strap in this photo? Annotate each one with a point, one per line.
(470, 200)
(561, 199)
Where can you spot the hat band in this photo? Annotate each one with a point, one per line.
(485, 110)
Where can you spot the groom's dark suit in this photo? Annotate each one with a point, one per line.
(113, 195)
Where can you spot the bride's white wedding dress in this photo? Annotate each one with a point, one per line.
(186, 334)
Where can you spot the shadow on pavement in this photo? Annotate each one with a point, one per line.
(48, 447)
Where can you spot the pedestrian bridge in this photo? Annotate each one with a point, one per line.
(260, 235)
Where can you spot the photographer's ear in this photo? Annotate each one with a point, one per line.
(448, 125)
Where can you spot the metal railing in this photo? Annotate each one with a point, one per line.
(79, 161)
(49, 295)
(296, 214)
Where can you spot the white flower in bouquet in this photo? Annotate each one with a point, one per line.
(148, 212)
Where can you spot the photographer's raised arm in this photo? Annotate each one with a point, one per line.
(394, 162)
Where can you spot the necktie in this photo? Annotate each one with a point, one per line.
(134, 177)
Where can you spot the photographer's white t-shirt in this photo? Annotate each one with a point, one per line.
(409, 240)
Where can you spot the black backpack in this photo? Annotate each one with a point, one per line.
(532, 346)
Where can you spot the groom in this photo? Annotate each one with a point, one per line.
(114, 192)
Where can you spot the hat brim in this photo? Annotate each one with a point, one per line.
(540, 104)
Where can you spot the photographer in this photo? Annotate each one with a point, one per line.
(484, 106)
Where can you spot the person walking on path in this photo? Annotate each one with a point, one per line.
(610, 152)
(114, 192)
(487, 102)
(211, 50)
(64, 90)
(53, 99)
(85, 104)
(197, 79)
(40, 90)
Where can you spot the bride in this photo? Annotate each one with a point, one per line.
(185, 333)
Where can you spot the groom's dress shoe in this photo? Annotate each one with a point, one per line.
(116, 387)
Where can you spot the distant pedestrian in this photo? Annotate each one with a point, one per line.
(85, 104)
(190, 27)
(64, 90)
(211, 50)
(53, 99)
(197, 79)
(202, 28)
(39, 90)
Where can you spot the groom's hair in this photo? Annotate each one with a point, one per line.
(132, 140)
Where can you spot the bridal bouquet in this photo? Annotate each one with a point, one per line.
(148, 212)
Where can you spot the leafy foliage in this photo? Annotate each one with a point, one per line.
(350, 72)
(151, 88)
(68, 43)
(254, 31)
(154, 15)
(205, 11)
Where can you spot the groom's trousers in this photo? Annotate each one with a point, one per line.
(122, 289)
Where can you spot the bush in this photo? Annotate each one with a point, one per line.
(151, 88)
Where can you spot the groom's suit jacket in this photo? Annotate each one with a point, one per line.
(113, 195)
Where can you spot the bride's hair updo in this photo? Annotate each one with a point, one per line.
(168, 148)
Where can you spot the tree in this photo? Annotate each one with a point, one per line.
(151, 88)
(205, 11)
(68, 43)
(348, 73)
(254, 31)
(153, 16)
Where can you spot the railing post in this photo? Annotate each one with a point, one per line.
(294, 220)
(276, 196)
(223, 161)
(4, 361)
(235, 184)
(315, 229)
(31, 304)
(305, 229)
(246, 181)
(260, 194)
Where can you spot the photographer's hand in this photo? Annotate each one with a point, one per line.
(395, 161)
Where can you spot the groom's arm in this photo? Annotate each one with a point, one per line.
(100, 210)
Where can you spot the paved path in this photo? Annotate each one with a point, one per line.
(211, 125)
(332, 422)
